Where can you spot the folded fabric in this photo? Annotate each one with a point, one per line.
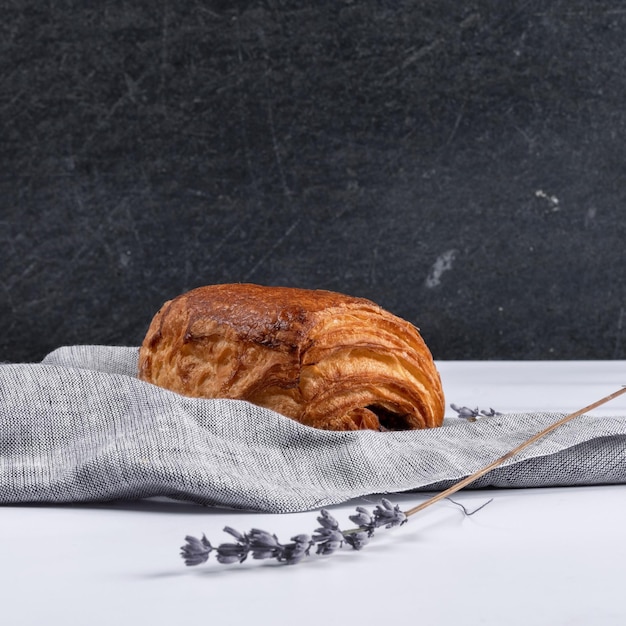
(81, 427)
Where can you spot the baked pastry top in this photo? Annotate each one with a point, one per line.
(325, 359)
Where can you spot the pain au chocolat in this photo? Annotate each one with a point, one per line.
(325, 359)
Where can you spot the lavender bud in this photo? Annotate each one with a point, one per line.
(322, 534)
(228, 559)
(292, 556)
(490, 413)
(362, 518)
(235, 533)
(387, 515)
(333, 540)
(195, 551)
(326, 520)
(302, 540)
(231, 553)
(294, 552)
(357, 540)
(465, 412)
(259, 553)
(262, 539)
(263, 545)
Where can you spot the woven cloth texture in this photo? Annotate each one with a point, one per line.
(81, 427)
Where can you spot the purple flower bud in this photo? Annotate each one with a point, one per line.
(332, 541)
(322, 534)
(294, 552)
(357, 540)
(465, 412)
(260, 553)
(326, 520)
(227, 559)
(195, 551)
(363, 518)
(235, 533)
(302, 539)
(387, 515)
(262, 539)
(231, 553)
(263, 545)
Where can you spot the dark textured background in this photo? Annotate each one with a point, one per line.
(461, 163)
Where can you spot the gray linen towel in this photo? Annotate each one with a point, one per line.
(81, 427)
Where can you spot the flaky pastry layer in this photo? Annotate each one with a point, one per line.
(322, 358)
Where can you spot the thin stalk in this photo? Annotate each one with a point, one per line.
(476, 475)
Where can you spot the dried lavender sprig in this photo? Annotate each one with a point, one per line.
(328, 538)
(471, 415)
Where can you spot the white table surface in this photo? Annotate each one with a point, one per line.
(531, 556)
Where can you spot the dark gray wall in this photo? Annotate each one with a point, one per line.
(461, 163)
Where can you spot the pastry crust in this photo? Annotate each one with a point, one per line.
(322, 358)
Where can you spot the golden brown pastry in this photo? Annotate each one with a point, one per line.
(322, 358)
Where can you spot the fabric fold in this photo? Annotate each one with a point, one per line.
(80, 427)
